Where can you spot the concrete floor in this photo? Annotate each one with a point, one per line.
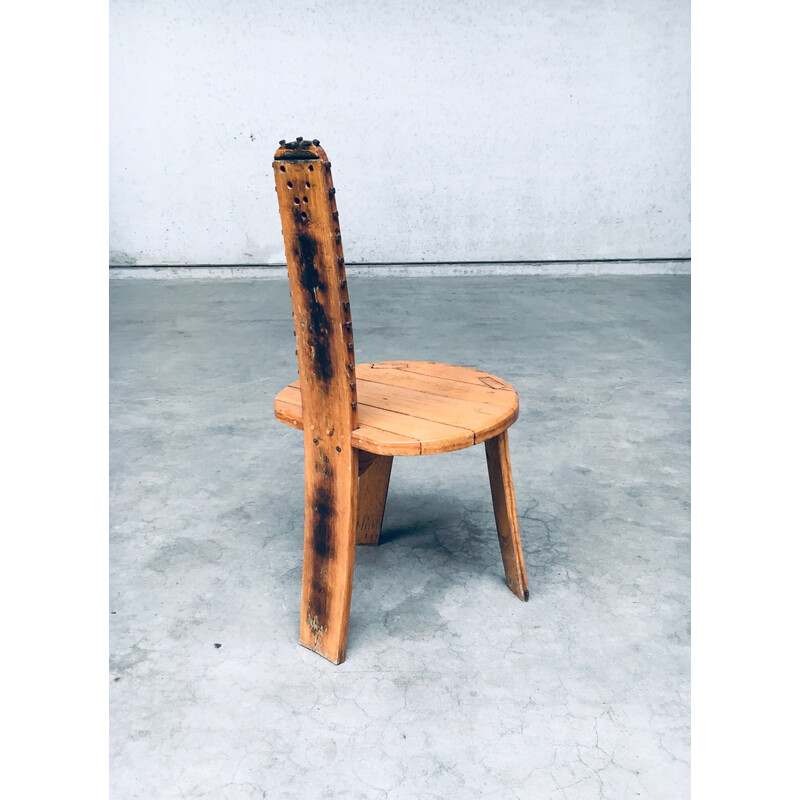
(452, 687)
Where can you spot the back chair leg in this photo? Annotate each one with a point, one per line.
(373, 486)
(328, 553)
(505, 513)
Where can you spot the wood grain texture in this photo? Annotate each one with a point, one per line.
(445, 379)
(419, 408)
(327, 386)
(505, 514)
(373, 486)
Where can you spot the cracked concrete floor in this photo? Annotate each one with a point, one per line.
(452, 687)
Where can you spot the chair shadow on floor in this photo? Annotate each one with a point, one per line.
(394, 602)
(466, 535)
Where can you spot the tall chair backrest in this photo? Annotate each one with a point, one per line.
(326, 361)
(318, 286)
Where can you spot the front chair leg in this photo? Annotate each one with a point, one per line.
(505, 513)
(328, 551)
(373, 486)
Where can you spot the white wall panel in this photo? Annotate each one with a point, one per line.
(458, 131)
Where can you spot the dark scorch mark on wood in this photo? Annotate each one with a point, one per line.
(322, 526)
(318, 329)
(324, 545)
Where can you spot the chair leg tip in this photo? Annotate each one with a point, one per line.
(520, 591)
(335, 657)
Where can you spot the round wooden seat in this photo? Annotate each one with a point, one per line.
(411, 408)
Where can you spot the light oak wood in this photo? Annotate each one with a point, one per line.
(433, 414)
(505, 514)
(373, 486)
(355, 419)
(443, 380)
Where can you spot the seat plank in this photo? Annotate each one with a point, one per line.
(437, 408)
(385, 443)
(451, 372)
(386, 425)
(441, 386)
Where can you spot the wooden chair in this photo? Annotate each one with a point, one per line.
(356, 417)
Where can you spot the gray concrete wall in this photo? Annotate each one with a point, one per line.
(458, 131)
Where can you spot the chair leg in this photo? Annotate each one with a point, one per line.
(505, 513)
(328, 552)
(373, 486)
